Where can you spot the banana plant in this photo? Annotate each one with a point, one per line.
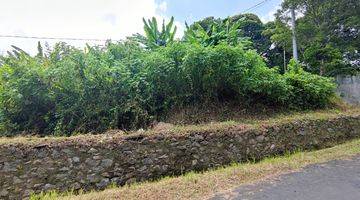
(153, 36)
(16, 52)
(217, 32)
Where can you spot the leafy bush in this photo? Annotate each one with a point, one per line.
(217, 32)
(24, 95)
(325, 61)
(191, 74)
(309, 90)
(126, 86)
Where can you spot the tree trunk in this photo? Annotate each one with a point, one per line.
(284, 60)
(322, 67)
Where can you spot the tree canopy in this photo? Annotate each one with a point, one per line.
(328, 34)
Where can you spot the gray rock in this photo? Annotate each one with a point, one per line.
(183, 147)
(7, 167)
(247, 151)
(260, 138)
(156, 167)
(147, 161)
(239, 139)
(131, 181)
(28, 192)
(37, 162)
(97, 169)
(106, 174)
(196, 144)
(16, 180)
(61, 177)
(76, 159)
(163, 156)
(64, 169)
(93, 178)
(103, 183)
(330, 130)
(48, 186)
(92, 162)
(252, 141)
(41, 154)
(39, 185)
(165, 167)
(302, 132)
(25, 176)
(272, 147)
(4, 193)
(55, 154)
(67, 151)
(92, 150)
(76, 186)
(127, 152)
(116, 180)
(106, 163)
(143, 168)
(96, 157)
(174, 144)
(199, 137)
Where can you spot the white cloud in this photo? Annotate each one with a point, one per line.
(270, 16)
(102, 19)
(162, 6)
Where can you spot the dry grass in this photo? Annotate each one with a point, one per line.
(203, 185)
(184, 129)
(236, 111)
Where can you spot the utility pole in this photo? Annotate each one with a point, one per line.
(295, 53)
(284, 60)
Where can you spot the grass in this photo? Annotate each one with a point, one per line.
(184, 129)
(203, 185)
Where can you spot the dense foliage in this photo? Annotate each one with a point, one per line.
(154, 37)
(216, 32)
(129, 84)
(328, 34)
(123, 85)
(250, 32)
(309, 90)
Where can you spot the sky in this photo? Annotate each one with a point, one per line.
(107, 19)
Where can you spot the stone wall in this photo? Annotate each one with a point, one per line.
(349, 88)
(94, 162)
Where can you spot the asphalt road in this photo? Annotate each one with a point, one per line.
(335, 180)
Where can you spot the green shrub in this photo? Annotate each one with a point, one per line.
(220, 73)
(98, 90)
(125, 86)
(25, 99)
(309, 90)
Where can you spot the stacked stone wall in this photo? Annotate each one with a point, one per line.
(96, 162)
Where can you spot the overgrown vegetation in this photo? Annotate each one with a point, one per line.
(328, 34)
(126, 86)
(130, 84)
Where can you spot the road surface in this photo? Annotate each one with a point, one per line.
(335, 180)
